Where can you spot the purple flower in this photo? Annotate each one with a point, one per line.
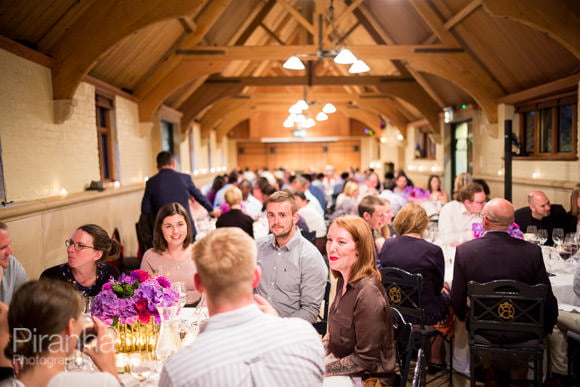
(478, 230)
(513, 231)
(164, 282)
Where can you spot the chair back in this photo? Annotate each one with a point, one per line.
(404, 292)
(403, 334)
(506, 305)
(321, 325)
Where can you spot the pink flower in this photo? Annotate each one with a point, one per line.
(107, 286)
(144, 315)
(164, 282)
(140, 275)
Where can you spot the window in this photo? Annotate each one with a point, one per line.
(548, 127)
(424, 144)
(167, 136)
(104, 110)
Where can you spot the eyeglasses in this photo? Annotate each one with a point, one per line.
(77, 246)
(480, 203)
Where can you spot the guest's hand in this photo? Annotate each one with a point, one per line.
(264, 305)
(216, 212)
(104, 354)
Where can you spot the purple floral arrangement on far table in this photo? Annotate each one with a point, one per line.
(133, 298)
(415, 193)
(513, 231)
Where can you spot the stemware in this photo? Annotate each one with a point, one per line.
(168, 341)
(542, 236)
(530, 235)
(138, 368)
(558, 236)
(180, 288)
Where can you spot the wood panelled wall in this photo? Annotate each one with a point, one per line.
(300, 156)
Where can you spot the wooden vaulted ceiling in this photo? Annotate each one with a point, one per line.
(219, 61)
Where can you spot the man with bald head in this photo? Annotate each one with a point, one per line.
(542, 214)
(496, 255)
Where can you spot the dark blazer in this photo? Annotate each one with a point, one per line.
(495, 256)
(169, 186)
(557, 219)
(236, 218)
(418, 256)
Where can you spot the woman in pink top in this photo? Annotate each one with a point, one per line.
(172, 253)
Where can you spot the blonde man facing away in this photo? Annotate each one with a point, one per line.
(241, 345)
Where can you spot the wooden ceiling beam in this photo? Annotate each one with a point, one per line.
(203, 97)
(457, 18)
(306, 52)
(316, 80)
(348, 11)
(99, 25)
(558, 19)
(299, 18)
(254, 22)
(181, 74)
(169, 63)
(428, 14)
(385, 107)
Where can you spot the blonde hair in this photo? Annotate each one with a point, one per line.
(461, 181)
(365, 265)
(225, 260)
(350, 188)
(412, 219)
(233, 196)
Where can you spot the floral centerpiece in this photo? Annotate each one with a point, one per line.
(416, 194)
(133, 298)
(513, 231)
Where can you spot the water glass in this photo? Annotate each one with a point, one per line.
(558, 236)
(542, 236)
(179, 286)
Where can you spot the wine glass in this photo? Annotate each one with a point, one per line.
(542, 236)
(558, 236)
(180, 288)
(138, 368)
(530, 235)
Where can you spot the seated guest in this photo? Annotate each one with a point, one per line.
(294, 272)
(461, 181)
(410, 252)
(359, 342)
(573, 216)
(50, 314)
(235, 217)
(251, 205)
(87, 247)
(377, 213)
(241, 345)
(457, 217)
(436, 192)
(495, 256)
(12, 274)
(543, 215)
(314, 220)
(301, 184)
(218, 182)
(347, 201)
(171, 255)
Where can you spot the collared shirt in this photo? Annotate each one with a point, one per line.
(360, 326)
(246, 347)
(293, 276)
(14, 276)
(455, 222)
(252, 206)
(314, 220)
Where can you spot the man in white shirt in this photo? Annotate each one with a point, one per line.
(457, 217)
(242, 345)
(250, 205)
(12, 274)
(301, 184)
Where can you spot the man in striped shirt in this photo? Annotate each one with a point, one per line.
(244, 342)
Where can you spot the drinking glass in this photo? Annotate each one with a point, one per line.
(180, 288)
(139, 369)
(160, 270)
(530, 235)
(558, 236)
(542, 236)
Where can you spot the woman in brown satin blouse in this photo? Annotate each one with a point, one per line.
(359, 343)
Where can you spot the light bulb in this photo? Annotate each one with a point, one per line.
(321, 116)
(302, 104)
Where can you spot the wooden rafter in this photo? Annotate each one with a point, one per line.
(457, 18)
(559, 19)
(299, 18)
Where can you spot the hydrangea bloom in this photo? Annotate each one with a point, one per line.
(513, 230)
(133, 297)
(415, 193)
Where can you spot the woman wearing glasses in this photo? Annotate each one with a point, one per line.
(87, 247)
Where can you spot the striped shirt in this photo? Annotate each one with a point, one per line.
(246, 347)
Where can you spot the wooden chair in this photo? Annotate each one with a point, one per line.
(404, 293)
(322, 323)
(403, 334)
(512, 307)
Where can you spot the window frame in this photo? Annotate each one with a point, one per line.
(423, 136)
(552, 102)
(104, 103)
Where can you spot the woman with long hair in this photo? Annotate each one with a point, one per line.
(87, 248)
(436, 191)
(45, 323)
(172, 252)
(359, 343)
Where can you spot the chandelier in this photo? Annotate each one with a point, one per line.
(301, 117)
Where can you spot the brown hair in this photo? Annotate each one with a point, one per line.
(39, 311)
(460, 181)
(283, 196)
(368, 204)
(365, 265)
(225, 260)
(574, 210)
(411, 219)
(433, 177)
(467, 192)
(159, 242)
(102, 242)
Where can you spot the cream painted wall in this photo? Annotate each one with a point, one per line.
(40, 157)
